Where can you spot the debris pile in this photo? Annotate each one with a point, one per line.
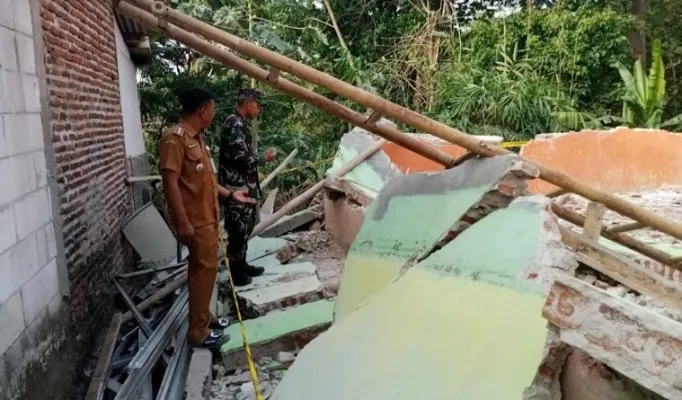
(145, 353)
(236, 384)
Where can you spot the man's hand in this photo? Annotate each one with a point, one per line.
(186, 233)
(270, 155)
(243, 197)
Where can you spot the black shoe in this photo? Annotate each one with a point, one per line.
(219, 324)
(252, 271)
(212, 341)
(239, 278)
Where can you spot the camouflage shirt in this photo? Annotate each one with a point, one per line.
(238, 163)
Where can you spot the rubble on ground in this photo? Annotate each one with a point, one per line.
(237, 385)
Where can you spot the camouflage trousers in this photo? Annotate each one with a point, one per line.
(240, 219)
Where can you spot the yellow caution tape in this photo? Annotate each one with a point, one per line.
(514, 144)
(245, 340)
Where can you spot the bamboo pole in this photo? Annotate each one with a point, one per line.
(622, 239)
(286, 86)
(395, 111)
(311, 192)
(632, 226)
(279, 169)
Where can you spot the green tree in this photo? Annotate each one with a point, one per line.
(644, 99)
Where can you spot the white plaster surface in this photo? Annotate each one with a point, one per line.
(130, 100)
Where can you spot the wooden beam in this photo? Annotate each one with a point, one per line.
(632, 226)
(593, 220)
(100, 378)
(379, 104)
(623, 270)
(158, 296)
(620, 238)
(639, 343)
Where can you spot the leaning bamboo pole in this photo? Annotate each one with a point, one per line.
(279, 62)
(286, 86)
(306, 95)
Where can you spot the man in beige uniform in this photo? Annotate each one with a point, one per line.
(191, 190)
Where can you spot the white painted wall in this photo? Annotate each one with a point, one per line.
(130, 99)
(29, 284)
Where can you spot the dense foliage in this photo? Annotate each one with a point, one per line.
(508, 67)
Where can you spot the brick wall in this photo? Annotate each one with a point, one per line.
(87, 136)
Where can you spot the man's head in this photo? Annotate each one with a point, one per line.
(199, 106)
(249, 103)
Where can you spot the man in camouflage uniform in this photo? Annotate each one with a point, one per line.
(239, 171)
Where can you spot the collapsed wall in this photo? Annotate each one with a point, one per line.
(620, 160)
(413, 212)
(463, 323)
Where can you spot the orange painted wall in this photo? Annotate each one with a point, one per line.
(620, 160)
(406, 160)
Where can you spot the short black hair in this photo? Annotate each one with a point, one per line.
(244, 95)
(195, 98)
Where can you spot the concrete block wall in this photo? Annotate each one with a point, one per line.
(31, 264)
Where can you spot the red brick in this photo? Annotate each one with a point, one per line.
(87, 129)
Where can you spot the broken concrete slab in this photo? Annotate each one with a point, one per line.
(635, 341)
(372, 173)
(150, 236)
(463, 324)
(260, 246)
(283, 330)
(260, 301)
(200, 375)
(292, 222)
(412, 212)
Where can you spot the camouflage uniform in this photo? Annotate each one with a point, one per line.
(238, 169)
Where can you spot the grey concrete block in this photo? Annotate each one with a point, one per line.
(8, 181)
(39, 291)
(31, 93)
(17, 266)
(32, 212)
(26, 176)
(23, 132)
(23, 21)
(8, 51)
(26, 53)
(12, 95)
(6, 14)
(3, 143)
(43, 246)
(12, 317)
(40, 165)
(8, 232)
(200, 375)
